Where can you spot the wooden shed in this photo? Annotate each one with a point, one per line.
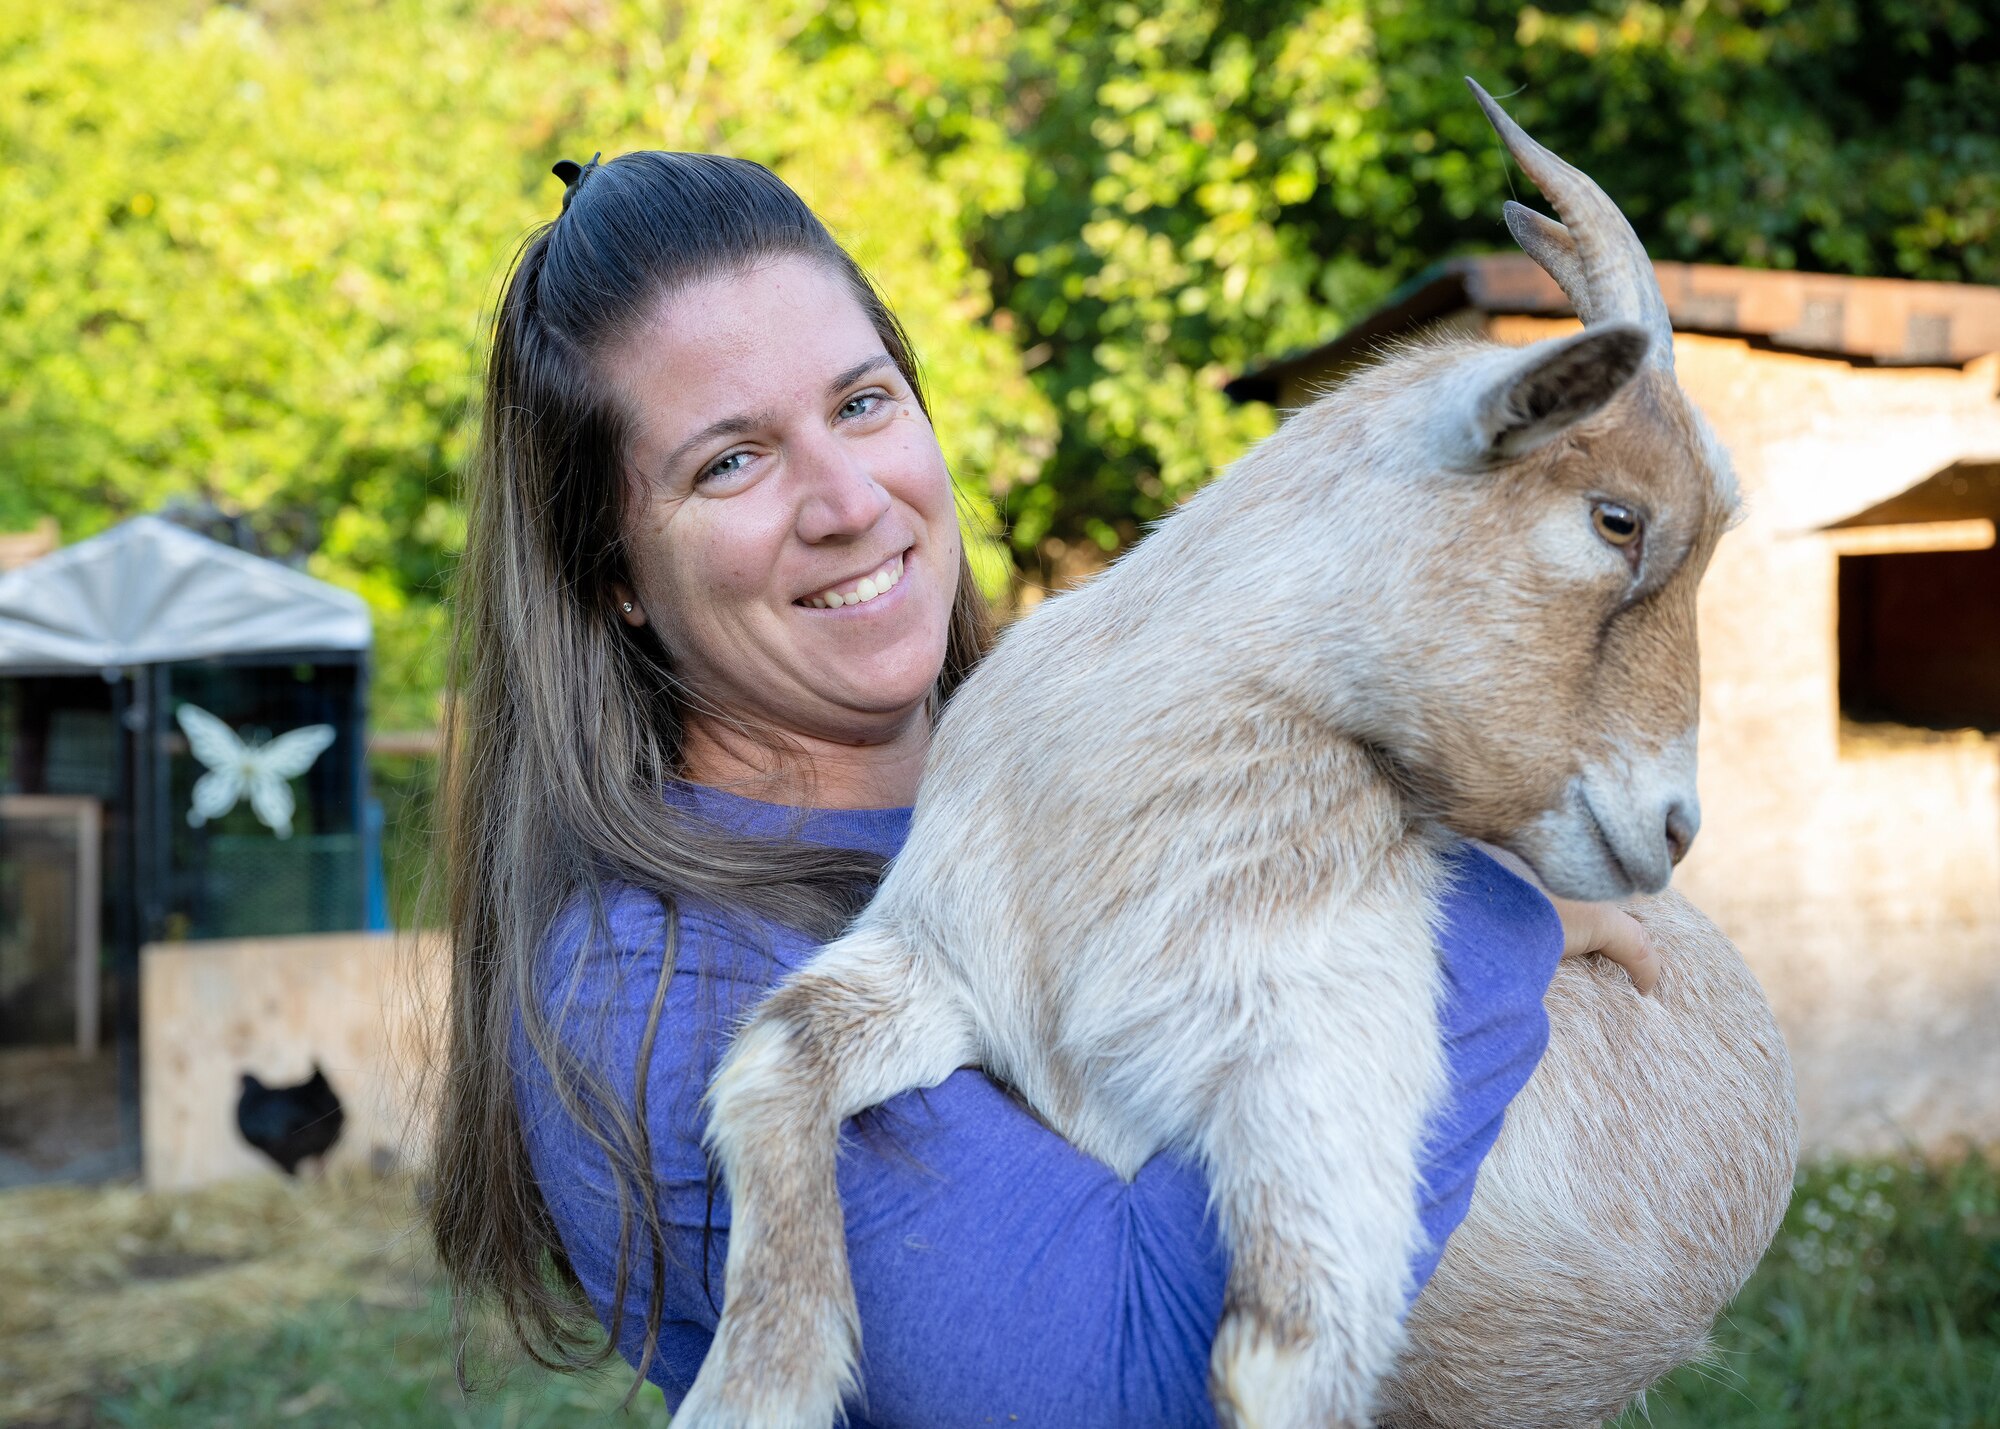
(1850, 773)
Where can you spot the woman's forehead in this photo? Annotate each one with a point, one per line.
(777, 332)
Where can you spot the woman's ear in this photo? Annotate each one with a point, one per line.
(629, 609)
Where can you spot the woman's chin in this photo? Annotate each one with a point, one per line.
(871, 711)
(885, 683)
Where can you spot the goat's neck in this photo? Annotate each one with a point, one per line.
(1322, 596)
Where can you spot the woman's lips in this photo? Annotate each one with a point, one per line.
(866, 590)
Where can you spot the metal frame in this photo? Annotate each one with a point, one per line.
(87, 818)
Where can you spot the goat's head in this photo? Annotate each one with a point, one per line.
(1534, 678)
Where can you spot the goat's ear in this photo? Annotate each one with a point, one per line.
(1543, 389)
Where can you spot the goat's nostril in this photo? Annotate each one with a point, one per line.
(1681, 828)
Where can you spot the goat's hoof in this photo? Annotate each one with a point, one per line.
(1258, 1381)
(1261, 1378)
(746, 1384)
(710, 1407)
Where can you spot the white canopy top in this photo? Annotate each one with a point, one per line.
(148, 591)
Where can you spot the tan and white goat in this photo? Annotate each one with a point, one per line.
(1176, 859)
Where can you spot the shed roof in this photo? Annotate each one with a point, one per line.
(1968, 489)
(1880, 320)
(148, 591)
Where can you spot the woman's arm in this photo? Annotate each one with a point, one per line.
(1003, 1276)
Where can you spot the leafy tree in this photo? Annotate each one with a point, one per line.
(1212, 182)
(246, 249)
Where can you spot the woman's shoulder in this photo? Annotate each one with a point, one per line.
(626, 973)
(1496, 929)
(620, 925)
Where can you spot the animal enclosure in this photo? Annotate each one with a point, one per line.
(196, 716)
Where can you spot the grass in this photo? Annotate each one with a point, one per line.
(1879, 1305)
(312, 1305)
(261, 1302)
(343, 1365)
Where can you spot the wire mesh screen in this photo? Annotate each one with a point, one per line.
(82, 753)
(255, 885)
(262, 782)
(58, 735)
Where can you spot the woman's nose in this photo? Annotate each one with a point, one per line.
(841, 496)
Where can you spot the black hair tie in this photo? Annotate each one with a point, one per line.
(573, 174)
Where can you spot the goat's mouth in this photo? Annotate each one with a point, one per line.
(1610, 849)
(1575, 853)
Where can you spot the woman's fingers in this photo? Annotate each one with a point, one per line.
(1629, 945)
(1607, 929)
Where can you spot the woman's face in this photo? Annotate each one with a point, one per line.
(791, 534)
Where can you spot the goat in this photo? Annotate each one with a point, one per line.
(1174, 866)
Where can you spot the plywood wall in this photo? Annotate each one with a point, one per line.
(363, 1005)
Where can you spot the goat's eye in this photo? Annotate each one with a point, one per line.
(1620, 525)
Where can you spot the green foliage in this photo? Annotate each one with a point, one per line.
(406, 786)
(232, 263)
(246, 247)
(1212, 182)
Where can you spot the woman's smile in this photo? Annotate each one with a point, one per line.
(871, 590)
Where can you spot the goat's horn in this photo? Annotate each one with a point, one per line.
(1593, 254)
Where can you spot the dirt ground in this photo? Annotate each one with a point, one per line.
(96, 1280)
(58, 1116)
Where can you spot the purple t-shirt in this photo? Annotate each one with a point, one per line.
(1003, 1276)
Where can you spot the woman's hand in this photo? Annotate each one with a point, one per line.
(1608, 929)
(1593, 927)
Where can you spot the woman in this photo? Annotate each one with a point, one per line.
(714, 596)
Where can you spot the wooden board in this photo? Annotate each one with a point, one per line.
(366, 1006)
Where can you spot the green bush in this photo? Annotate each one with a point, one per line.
(246, 247)
(405, 785)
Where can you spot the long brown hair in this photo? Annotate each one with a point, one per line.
(563, 724)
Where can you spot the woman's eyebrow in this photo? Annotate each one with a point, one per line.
(726, 427)
(743, 422)
(857, 372)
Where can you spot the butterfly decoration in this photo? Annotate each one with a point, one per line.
(265, 770)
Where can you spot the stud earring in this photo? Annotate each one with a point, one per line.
(628, 607)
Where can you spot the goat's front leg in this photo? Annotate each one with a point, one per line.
(1313, 1163)
(864, 1021)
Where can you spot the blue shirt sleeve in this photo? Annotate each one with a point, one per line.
(1003, 1277)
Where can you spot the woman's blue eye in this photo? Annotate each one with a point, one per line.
(854, 406)
(726, 466)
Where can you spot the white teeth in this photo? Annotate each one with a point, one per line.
(866, 589)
